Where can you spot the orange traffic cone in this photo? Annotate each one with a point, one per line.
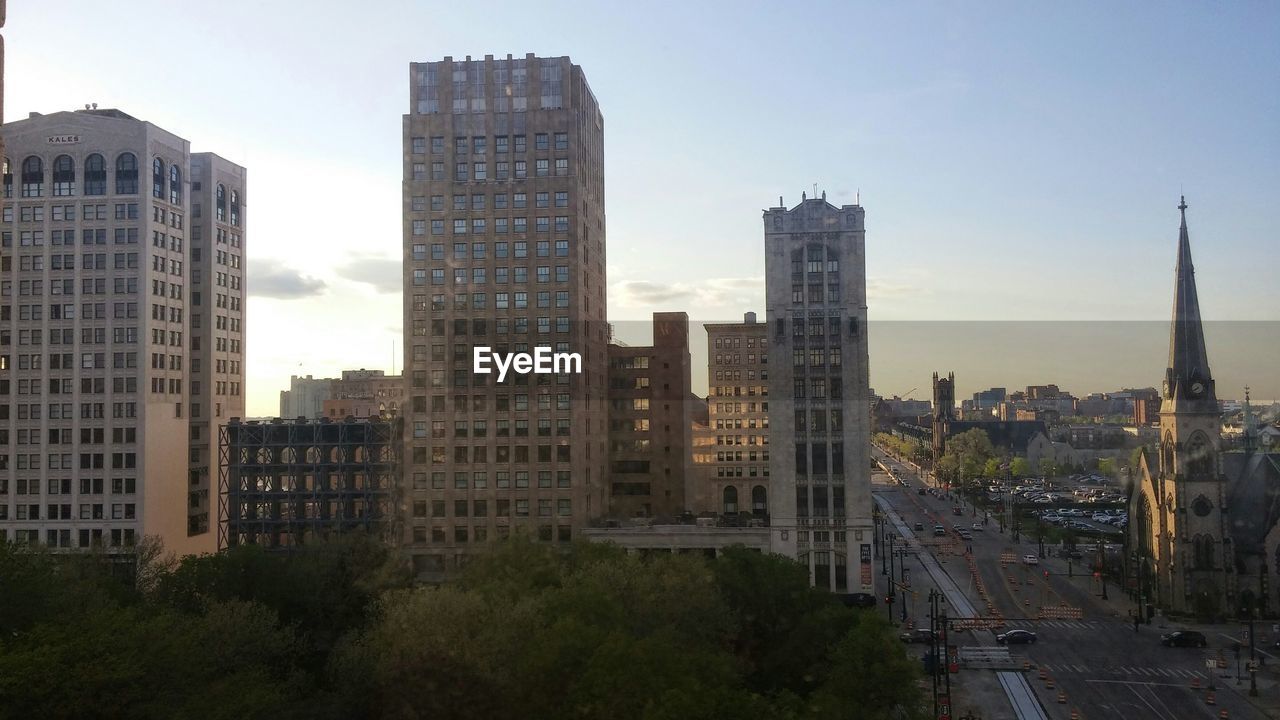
(1062, 698)
(1049, 683)
(1195, 683)
(1075, 714)
(1209, 698)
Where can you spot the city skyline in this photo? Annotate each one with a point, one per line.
(968, 155)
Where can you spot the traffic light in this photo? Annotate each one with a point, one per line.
(1046, 574)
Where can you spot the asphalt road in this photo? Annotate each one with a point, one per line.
(1103, 667)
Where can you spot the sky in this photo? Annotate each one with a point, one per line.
(1017, 162)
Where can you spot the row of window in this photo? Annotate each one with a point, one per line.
(736, 359)
(480, 404)
(501, 276)
(480, 508)
(166, 184)
(88, 411)
(479, 144)
(62, 486)
(501, 226)
(96, 537)
(502, 480)
(66, 386)
(63, 461)
(479, 250)
(479, 171)
(480, 428)
(65, 436)
(67, 213)
(479, 201)
(479, 454)
(88, 511)
(479, 534)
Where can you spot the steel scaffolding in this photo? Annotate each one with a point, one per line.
(287, 482)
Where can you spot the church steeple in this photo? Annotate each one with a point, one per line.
(1188, 382)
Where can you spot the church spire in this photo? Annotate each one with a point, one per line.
(1188, 382)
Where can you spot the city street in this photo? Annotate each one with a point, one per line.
(1085, 646)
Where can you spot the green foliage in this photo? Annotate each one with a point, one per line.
(1020, 467)
(531, 630)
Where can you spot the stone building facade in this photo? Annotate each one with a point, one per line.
(819, 391)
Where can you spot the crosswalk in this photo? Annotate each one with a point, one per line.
(1120, 670)
(1059, 624)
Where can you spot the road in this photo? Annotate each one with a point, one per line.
(1087, 647)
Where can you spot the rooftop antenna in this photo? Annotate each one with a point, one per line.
(857, 197)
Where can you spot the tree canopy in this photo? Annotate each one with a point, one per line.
(530, 630)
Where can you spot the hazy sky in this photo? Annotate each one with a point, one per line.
(1016, 160)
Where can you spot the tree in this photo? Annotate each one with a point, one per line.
(1020, 467)
(870, 677)
(991, 470)
(1048, 467)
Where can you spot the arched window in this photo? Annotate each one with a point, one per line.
(8, 179)
(175, 184)
(731, 499)
(1200, 462)
(64, 176)
(126, 174)
(235, 208)
(221, 203)
(759, 500)
(32, 177)
(95, 175)
(1203, 549)
(1166, 455)
(157, 179)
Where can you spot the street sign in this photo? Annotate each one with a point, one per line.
(1210, 663)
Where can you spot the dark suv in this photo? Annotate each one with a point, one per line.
(1183, 638)
(919, 635)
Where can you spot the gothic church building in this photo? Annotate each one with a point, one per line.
(1203, 524)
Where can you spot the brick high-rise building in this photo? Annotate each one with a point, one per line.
(651, 423)
(503, 247)
(106, 256)
(738, 414)
(819, 392)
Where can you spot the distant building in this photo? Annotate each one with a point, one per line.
(290, 482)
(987, 400)
(738, 413)
(1010, 436)
(651, 423)
(364, 394)
(305, 397)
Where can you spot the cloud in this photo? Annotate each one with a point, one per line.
(714, 292)
(269, 277)
(382, 273)
(878, 288)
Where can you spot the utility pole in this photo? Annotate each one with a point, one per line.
(1253, 657)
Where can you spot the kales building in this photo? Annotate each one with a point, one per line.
(122, 330)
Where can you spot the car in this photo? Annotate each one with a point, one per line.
(859, 600)
(979, 527)
(1075, 555)
(1016, 637)
(939, 531)
(922, 491)
(1030, 560)
(965, 535)
(919, 527)
(919, 635)
(1183, 638)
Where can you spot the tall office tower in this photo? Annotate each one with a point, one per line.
(503, 248)
(96, 334)
(651, 423)
(738, 412)
(217, 238)
(819, 393)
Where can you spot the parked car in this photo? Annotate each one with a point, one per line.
(859, 600)
(919, 635)
(922, 491)
(1016, 637)
(979, 527)
(1183, 638)
(939, 531)
(919, 527)
(1030, 560)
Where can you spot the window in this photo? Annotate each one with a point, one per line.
(64, 176)
(540, 141)
(542, 167)
(220, 203)
(95, 175)
(562, 141)
(419, 145)
(32, 177)
(562, 199)
(562, 166)
(126, 174)
(235, 208)
(157, 179)
(175, 185)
